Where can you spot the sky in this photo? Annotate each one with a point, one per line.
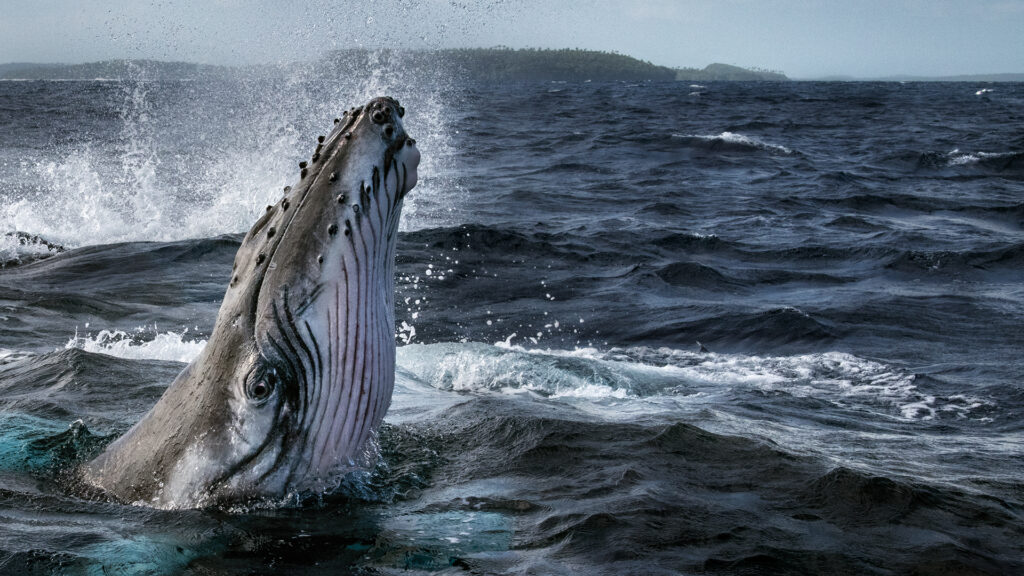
(803, 38)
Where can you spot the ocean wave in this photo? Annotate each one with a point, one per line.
(636, 471)
(693, 378)
(926, 203)
(731, 141)
(8, 356)
(995, 159)
(697, 275)
(957, 160)
(1006, 257)
(479, 241)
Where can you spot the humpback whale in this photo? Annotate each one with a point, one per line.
(300, 366)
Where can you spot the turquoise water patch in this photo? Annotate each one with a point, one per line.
(137, 556)
(32, 444)
(17, 433)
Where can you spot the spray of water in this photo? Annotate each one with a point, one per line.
(190, 159)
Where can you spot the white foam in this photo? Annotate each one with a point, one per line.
(637, 373)
(736, 138)
(958, 158)
(142, 345)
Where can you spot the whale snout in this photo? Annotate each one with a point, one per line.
(382, 120)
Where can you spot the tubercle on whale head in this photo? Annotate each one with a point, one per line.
(299, 369)
(356, 128)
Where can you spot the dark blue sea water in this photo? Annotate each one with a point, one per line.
(850, 255)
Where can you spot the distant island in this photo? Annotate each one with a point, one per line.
(479, 64)
(728, 73)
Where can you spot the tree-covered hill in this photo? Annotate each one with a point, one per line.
(727, 73)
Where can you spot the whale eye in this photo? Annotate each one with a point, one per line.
(260, 388)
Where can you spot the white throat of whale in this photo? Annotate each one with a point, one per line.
(300, 367)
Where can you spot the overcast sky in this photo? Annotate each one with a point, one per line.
(804, 38)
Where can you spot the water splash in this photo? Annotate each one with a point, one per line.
(139, 156)
(142, 344)
(197, 159)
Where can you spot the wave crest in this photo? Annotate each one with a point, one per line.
(693, 378)
(731, 141)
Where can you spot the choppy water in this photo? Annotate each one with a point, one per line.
(850, 254)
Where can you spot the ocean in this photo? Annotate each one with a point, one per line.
(644, 328)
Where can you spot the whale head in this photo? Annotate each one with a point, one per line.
(299, 369)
